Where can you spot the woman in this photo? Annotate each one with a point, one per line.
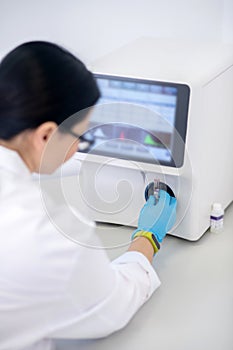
(50, 286)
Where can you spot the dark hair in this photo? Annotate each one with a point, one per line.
(39, 82)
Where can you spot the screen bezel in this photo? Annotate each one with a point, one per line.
(181, 115)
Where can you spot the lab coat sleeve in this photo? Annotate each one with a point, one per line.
(136, 280)
(133, 280)
(134, 266)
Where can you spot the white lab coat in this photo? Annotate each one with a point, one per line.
(51, 287)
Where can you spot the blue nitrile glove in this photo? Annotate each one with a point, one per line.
(158, 218)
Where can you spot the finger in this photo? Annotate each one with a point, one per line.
(173, 202)
(151, 200)
(164, 198)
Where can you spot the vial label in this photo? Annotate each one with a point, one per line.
(216, 223)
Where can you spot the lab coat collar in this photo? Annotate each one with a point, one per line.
(11, 161)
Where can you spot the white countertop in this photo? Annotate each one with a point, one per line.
(192, 309)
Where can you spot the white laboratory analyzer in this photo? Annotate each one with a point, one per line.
(165, 118)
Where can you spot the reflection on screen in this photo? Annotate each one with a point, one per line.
(134, 120)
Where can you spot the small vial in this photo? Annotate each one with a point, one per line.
(216, 218)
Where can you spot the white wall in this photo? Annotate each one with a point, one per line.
(92, 28)
(227, 21)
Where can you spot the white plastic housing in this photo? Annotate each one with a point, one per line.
(207, 174)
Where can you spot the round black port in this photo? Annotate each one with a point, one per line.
(162, 186)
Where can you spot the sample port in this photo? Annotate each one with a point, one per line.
(152, 189)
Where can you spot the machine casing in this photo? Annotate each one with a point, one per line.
(207, 173)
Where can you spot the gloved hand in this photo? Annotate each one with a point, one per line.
(158, 218)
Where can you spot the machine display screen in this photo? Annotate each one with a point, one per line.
(140, 120)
